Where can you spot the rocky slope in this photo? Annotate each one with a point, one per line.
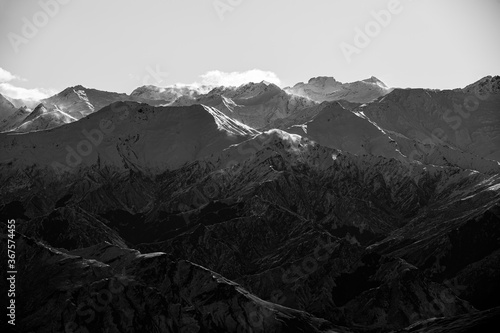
(14, 120)
(460, 119)
(333, 125)
(6, 108)
(483, 87)
(336, 127)
(129, 136)
(122, 290)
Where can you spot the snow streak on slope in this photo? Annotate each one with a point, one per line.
(338, 128)
(79, 101)
(229, 125)
(259, 105)
(43, 119)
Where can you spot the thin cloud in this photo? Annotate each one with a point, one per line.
(10, 90)
(34, 94)
(219, 78)
(6, 76)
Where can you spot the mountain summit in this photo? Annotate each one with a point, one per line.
(323, 88)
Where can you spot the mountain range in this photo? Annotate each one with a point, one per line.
(322, 207)
(259, 105)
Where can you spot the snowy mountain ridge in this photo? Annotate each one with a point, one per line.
(325, 88)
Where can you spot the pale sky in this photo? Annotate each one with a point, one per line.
(118, 45)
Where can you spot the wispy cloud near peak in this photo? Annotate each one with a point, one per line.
(219, 78)
(13, 91)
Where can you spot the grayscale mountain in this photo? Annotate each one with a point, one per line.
(349, 218)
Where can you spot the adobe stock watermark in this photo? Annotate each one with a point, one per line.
(30, 28)
(224, 6)
(364, 36)
(93, 138)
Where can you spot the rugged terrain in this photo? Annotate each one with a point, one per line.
(349, 217)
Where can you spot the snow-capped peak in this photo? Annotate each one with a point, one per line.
(376, 81)
(324, 88)
(38, 111)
